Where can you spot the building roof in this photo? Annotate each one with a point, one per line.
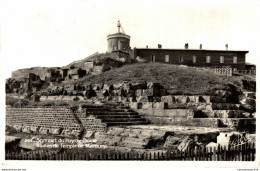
(194, 50)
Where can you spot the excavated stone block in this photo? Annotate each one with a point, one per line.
(221, 113)
(66, 132)
(125, 133)
(111, 141)
(147, 105)
(97, 86)
(55, 131)
(145, 134)
(139, 92)
(225, 138)
(157, 99)
(194, 99)
(88, 134)
(133, 105)
(59, 98)
(180, 99)
(162, 92)
(171, 112)
(204, 99)
(136, 86)
(18, 128)
(171, 140)
(100, 135)
(35, 128)
(44, 131)
(167, 99)
(142, 99)
(212, 145)
(43, 98)
(157, 134)
(26, 129)
(80, 97)
(140, 141)
(183, 146)
(118, 85)
(126, 87)
(75, 133)
(159, 105)
(115, 131)
(147, 92)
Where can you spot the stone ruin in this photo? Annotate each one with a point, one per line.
(55, 121)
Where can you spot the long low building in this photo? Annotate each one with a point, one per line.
(193, 57)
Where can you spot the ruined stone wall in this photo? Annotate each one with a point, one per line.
(58, 120)
(194, 111)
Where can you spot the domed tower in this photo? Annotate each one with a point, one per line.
(118, 41)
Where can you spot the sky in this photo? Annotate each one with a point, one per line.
(55, 33)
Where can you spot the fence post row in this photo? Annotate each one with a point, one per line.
(245, 152)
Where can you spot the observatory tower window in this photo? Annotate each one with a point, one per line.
(221, 60)
(194, 59)
(153, 58)
(166, 58)
(234, 59)
(180, 59)
(208, 59)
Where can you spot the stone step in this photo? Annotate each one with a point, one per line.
(108, 109)
(112, 113)
(127, 123)
(107, 120)
(117, 116)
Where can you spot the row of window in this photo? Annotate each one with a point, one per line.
(194, 59)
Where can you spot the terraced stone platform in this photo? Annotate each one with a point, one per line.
(115, 114)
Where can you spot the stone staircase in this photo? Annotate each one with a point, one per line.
(115, 114)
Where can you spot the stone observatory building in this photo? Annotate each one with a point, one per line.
(118, 41)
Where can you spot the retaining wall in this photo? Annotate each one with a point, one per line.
(52, 120)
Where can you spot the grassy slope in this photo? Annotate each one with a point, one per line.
(181, 79)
